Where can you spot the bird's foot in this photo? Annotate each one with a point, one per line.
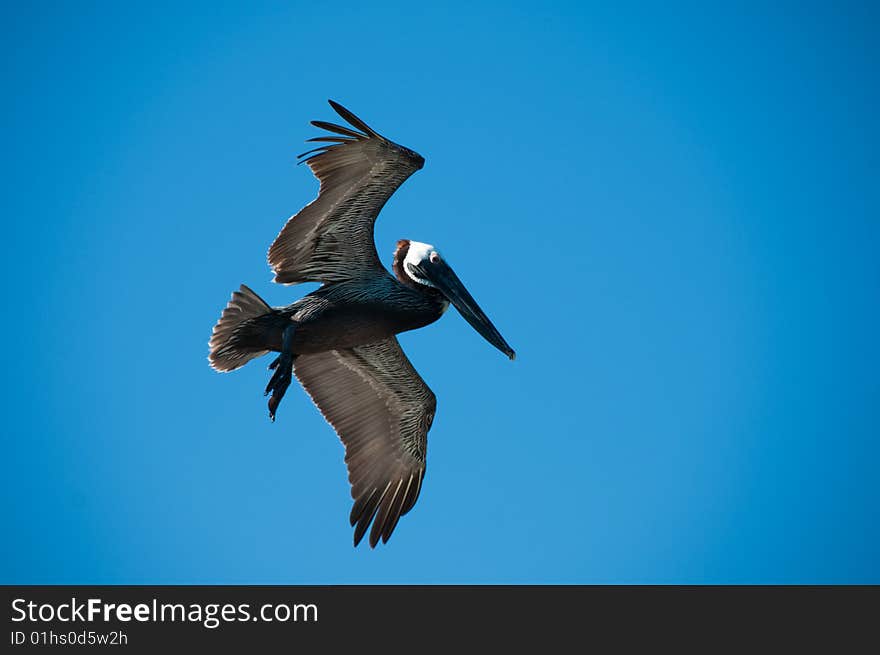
(283, 367)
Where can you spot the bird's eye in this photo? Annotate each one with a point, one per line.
(434, 258)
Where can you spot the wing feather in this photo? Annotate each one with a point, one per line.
(331, 239)
(382, 410)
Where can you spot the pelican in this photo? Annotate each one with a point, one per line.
(340, 340)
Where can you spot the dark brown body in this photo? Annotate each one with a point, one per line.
(352, 313)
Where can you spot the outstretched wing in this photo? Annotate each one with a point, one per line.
(382, 410)
(331, 239)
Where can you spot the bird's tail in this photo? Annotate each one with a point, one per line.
(240, 336)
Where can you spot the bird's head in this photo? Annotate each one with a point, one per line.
(420, 265)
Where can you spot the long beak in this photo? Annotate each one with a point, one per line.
(445, 279)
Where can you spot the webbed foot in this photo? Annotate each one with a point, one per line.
(283, 367)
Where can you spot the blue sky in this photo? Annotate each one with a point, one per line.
(670, 212)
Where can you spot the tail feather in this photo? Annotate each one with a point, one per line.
(235, 339)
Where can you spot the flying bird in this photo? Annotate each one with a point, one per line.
(340, 340)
